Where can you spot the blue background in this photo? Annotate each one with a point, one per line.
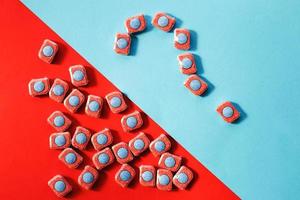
(250, 55)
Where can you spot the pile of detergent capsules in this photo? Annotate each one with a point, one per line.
(171, 171)
(187, 64)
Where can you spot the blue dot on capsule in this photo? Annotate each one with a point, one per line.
(115, 102)
(131, 122)
(94, 106)
(122, 43)
(135, 23)
(59, 186)
(58, 90)
(103, 158)
(102, 139)
(163, 21)
(147, 176)
(74, 101)
(159, 146)
(170, 162)
(88, 177)
(60, 140)
(48, 51)
(39, 86)
(78, 75)
(70, 158)
(122, 152)
(81, 138)
(59, 121)
(182, 178)
(181, 38)
(186, 63)
(138, 144)
(164, 179)
(227, 112)
(125, 175)
(195, 85)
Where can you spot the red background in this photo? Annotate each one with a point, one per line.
(27, 163)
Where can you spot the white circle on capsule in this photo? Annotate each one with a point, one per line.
(181, 38)
(227, 112)
(163, 21)
(135, 23)
(122, 43)
(195, 85)
(48, 51)
(39, 86)
(186, 63)
(115, 102)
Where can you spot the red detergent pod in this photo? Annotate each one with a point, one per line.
(135, 24)
(228, 112)
(70, 158)
(164, 179)
(139, 144)
(183, 177)
(187, 63)
(122, 152)
(196, 85)
(132, 121)
(147, 175)
(39, 86)
(81, 138)
(59, 185)
(116, 102)
(182, 39)
(163, 21)
(88, 177)
(60, 140)
(122, 43)
(58, 90)
(125, 175)
(160, 145)
(169, 161)
(48, 51)
(94, 106)
(78, 75)
(59, 121)
(102, 139)
(103, 158)
(74, 100)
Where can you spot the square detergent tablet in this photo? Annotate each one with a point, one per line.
(88, 177)
(74, 100)
(163, 21)
(196, 85)
(94, 106)
(125, 175)
(48, 51)
(139, 144)
(135, 24)
(147, 175)
(59, 185)
(103, 158)
(102, 139)
(70, 158)
(116, 102)
(164, 179)
(81, 138)
(160, 145)
(60, 140)
(59, 121)
(169, 161)
(39, 86)
(228, 112)
(58, 90)
(122, 43)
(183, 177)
(182, 39)
(122, 152)
(132, 121)
(78, 75)
(187, 63)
